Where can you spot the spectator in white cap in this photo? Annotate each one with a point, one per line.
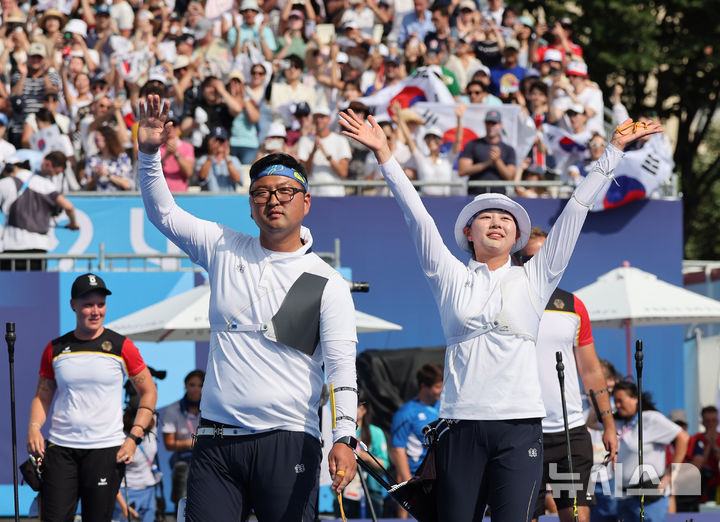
(437, 164)
(490, 310)
(586, 93)
(465, 21)
(275, 140)
(326, 155)
(551, 65)
(253, 31)
(292, 91)
(362, 15)
(596, 147)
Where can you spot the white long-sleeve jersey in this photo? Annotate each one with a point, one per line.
(252, 381)
(491, 317)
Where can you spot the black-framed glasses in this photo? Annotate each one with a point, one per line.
(283, 194)
(475, 93)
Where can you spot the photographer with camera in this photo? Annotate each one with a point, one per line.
(30, 204)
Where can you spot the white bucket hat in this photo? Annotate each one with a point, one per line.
(488, 201)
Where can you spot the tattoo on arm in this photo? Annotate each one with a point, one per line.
(46, 385)
(138, 379)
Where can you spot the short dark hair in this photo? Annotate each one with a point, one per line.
(442, 9)
(276, 158)
(45, 115)
(475, 82)
(429, 374)
(57, 158)
(708, 409)
(193, 374)
(153, 88)
(539, 86)
(296, 61)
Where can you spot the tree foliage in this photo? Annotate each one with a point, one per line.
(665, 53)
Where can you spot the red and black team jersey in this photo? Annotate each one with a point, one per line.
(564, 325)
(88, 407)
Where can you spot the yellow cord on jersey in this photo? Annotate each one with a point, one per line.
(332, 406)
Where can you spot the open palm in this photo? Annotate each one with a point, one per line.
(372, 136)
(152, 130)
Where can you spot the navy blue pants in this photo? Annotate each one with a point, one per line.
(274, 473)
(491, 462)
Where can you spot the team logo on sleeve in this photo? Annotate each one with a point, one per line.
(106, 346)
(559, 304)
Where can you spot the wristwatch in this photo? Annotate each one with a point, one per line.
(137, 440)
(350, 441)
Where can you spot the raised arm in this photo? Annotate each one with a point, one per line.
(548, 265)
(194, 236)
(429, 244)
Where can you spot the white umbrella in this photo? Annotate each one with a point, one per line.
(628, 296)
(184, 317)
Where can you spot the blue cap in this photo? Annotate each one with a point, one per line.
(281, 170)
(102, 9)
(3, 119)
(220, 133)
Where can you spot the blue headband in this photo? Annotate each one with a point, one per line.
(281, 170)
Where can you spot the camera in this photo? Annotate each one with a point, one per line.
(68, 36)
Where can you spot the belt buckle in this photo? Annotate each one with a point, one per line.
(217, 431)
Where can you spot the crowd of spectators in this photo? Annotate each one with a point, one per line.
(245, 78)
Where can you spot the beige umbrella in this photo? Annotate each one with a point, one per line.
(184, 317)
(628, 296)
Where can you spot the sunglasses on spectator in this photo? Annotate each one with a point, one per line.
(475, 93)
(259, 72)
(595, 144)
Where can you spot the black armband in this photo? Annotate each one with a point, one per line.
(345, 388)
(350, 441)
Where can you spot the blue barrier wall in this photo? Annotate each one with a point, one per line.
(374, 244)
